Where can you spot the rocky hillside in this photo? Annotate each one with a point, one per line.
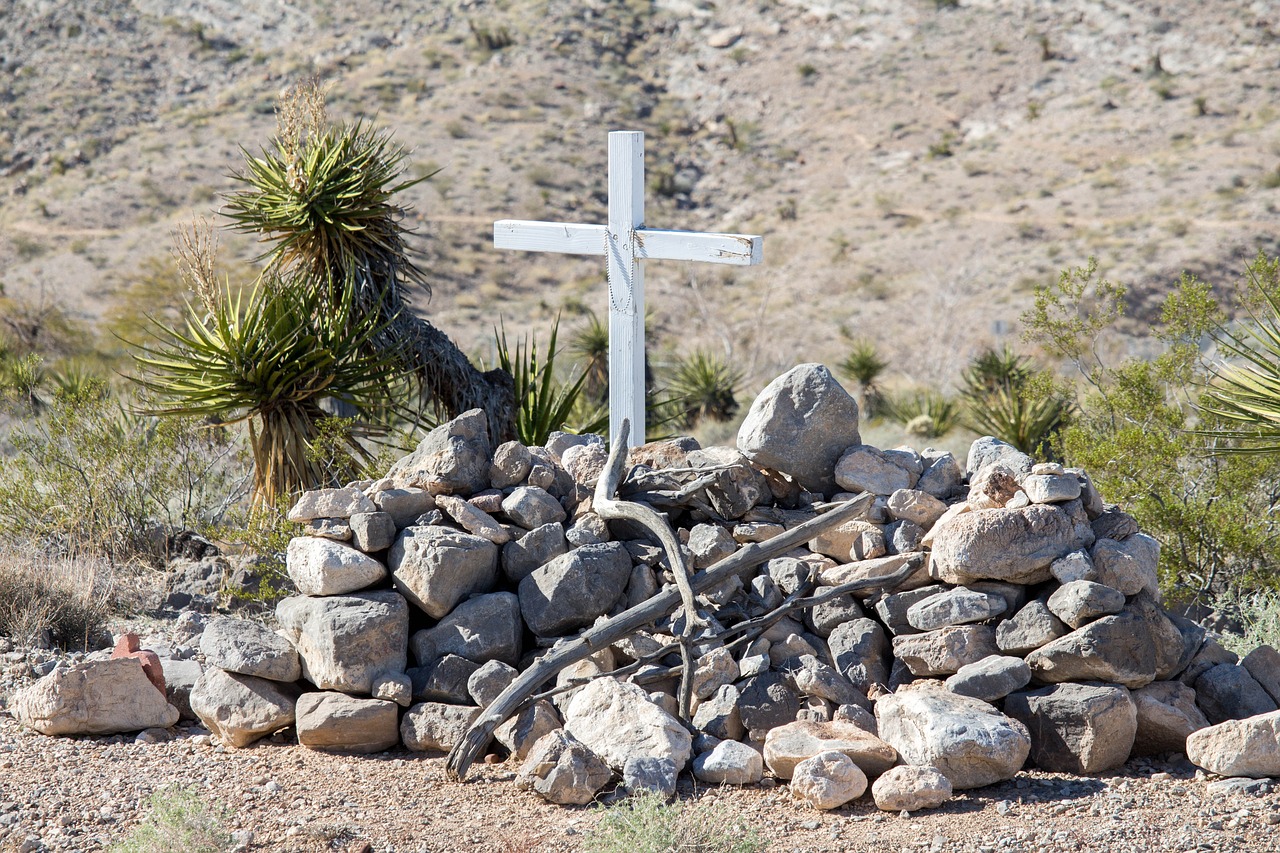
(916, 167)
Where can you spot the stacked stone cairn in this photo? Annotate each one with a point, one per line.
(1030, 630)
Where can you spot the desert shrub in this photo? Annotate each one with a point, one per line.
(87, 477)
(922, 412)
(864, 365)
(705, 386)
(545, 401)
(179, 821)
(1256, 613)
(648, 824)
(55, 601)
(1138, 433)
(1005, 396)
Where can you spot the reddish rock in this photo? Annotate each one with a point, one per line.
(127, 647)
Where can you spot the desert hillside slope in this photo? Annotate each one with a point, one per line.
(916, 168)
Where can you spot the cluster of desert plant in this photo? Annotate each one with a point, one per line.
(647, 823)
(49, 600)
(179, 820)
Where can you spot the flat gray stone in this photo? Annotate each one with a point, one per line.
(1030, 628)
(958, 606)
(482, 628)
(991, 678)
(437, 567)
(1079, 602)
(945, 651)
(249, 648)
(572, 590)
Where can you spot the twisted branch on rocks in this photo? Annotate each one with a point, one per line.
(625, 624)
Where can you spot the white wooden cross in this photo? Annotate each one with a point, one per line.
(627, 244)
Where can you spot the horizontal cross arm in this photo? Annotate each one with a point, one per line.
(564, 238)
(737, 249)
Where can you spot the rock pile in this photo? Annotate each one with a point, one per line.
(1028, 627)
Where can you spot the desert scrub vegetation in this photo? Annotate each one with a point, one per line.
(648, 824)
(704, 387)
(180, 821)
(1007, 396)
(50, 601)
(1150, 433)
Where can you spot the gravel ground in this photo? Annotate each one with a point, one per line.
(81, 794)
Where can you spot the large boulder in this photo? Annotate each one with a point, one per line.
(991, 678)
(436, 726)
(766, 701)
(572, 590)
(989, 451)
(520, 557)
(1128, 565)
(860, 652)
(1167, 715)
(1263, 663)
(1120, 649)
(240, 709)
(453, 459)
(1030, 628)
(800, 424)
(329, 503)
(519, 733)
(1015, 545)
(864, 468)
(436, 567)
(945, 651)
(342, 723)
(1249, 747)
(324, 567)
(1077, 728)
(93, 698)
(1228, 692)
(617, 721)
(249, 648)
(969, 741)
(347, 641)
(480, 629)
(787, 746)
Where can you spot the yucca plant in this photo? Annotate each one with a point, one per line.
(864, 365)
(323, 198)
(591, 344)
(1000, 401)
(546, 403)
(1245, 394)
(923, 412)
(704, 386)
(268, 358)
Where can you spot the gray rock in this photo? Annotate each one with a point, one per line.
(437, 567)
(967, 740)
(850, 541)
(916, 506)
(735, 487)
(719, 716)
(1263, 663)
(1077, 728)
(531, 507)
(617, 721)
(991, 678)
(240, 709)
(1079, 602)
(828, 780)
(344, 642)
(712, 671)
(1014, 594)
(957, 606)
(1009, 545)
(1051, 488)
(647, 775)
(863, 468)
(519, 733)
(180, 676)
(337, 529)
(1249, 747)
(453, 459)
(588, 529)
(445, 680)
(436, 727)
(903, 537)
(533, 550)
(766, 701)
(858, 715)
(1228, 692)
(1114, 523)
(1210, 654)
(584, 463)
(559, 442)
(511, 463)
(572, 590)
(563, 770)
(787, 745)
(906, 788)
(812, 677)
(709, 544)
(860, 651)
(945, 651)
(989, 451)
(1129, 566)
(372, 531)
(729, 763)
(824, 618)
(249, 648)
(800, 424)
(942, 476)
(643, 585)
(1118, 649)
(1030, 628)
(892, 609)
(404, 505)
(472, 519)
(325, 567)
(1075, 566)
(394, 687)
(1167, 714)
(482, 628)
(341, 723)
(93, 697)
(329, 503)
(488, 682)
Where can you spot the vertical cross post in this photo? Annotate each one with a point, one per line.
(626, 282)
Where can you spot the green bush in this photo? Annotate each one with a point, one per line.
(922, 412)
(864, 365)
(1006, 396)
(1258, 615)
(545, 401)
(648, 824)
(179, 822)
(704, 387)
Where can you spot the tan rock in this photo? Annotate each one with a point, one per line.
(907, 788)
(1248, 747)
(787, 746)
(94, 698)
(828, 780)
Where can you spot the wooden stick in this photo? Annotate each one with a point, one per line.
(627, 623)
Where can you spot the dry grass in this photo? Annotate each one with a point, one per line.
(55, 601)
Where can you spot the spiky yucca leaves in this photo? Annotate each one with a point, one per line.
(268, 359)
(864, 365)
(704, 387)
(1000, 401)
(591, 344)
(922, 412)
(323, 197)
(1246, 394)
(545, 402)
